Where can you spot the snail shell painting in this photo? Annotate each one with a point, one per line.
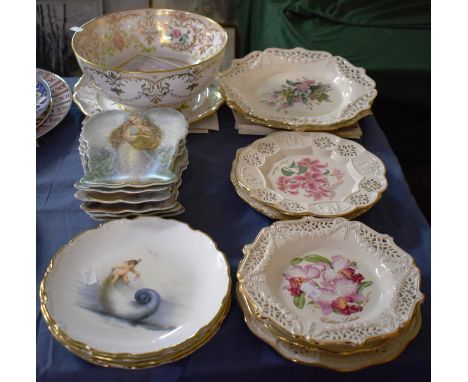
(121, 296)
(136, 287)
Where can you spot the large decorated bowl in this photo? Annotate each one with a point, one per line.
(150, 57)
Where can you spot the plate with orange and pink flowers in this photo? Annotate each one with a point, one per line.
(317, 174)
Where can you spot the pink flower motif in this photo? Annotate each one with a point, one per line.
(297, 275)
(337, 173)
(313, 165)
(305, 85)
(176, 33)
(118, 41)
(322, 296)
(287, 184)
(314, 184)
(342, 305)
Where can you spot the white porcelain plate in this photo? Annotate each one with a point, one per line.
(330, 281)
(316, 357)
(135, 286)
(91, 101)
(299, 89)
(316, 174)
(61, 102)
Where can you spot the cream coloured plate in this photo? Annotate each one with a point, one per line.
(330, 281)
(298, 89)
(90, 101)
(263, 208)
(132, 286)
(388, 351)
(315, 174)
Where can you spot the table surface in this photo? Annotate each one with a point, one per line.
(213, 206)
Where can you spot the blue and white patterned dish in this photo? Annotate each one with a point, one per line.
(43, 96)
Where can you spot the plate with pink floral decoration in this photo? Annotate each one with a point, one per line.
(298, 89)
(330, 281)
(308, 173)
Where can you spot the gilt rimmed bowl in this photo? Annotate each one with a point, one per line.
(331, 283)
(150, 57)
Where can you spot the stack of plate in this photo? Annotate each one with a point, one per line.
(330, 292)
(292, 174)
(298, 89)
(132, 163)
(132, 294)
(53, 101)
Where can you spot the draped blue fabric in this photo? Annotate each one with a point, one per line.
(213, 206)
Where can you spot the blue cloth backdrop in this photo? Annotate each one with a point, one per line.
(213, 206)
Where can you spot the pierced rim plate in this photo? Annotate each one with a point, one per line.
(298, 89)
(388, 351)
(91, 101)
(266, 209)
(132, 289)
(330, 281)
(317, 174)
(61, 102)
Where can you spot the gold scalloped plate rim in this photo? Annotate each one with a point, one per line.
(148, 362)
(317, 343)
(284, 124)
(370, 344)
(265, 209)
(352, 214)
(414, 334)
(55, 329)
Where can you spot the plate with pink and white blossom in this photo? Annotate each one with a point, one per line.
(330, 281)
(310, 173)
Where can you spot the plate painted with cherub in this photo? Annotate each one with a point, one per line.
(132, 286)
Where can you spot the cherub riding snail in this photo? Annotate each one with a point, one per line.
(122, 270)
(120, 299)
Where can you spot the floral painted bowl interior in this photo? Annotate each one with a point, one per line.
(148, 57)
(133, 287)
(298, 89)
(311, 173)
(330, 281)
(43, 96)
(136, 149)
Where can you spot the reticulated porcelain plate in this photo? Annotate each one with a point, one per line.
(131, 149)
(386, 352)
(330, 281)
(60, 103)
(298, 89)
(133, 288)
(91, 101)
(316, 174)
(264, 208)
